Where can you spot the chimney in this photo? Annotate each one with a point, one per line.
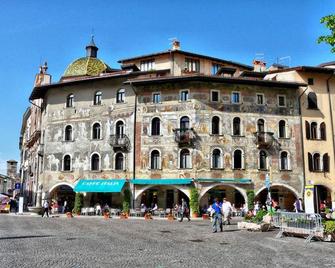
(175, 45)
(259, 65)
(42, 78)
(11, 168)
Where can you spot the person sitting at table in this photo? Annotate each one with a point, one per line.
(143, 209)
(154, 208)
(97, 209)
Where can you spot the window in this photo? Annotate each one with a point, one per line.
(155, 160)
(95, 162)
(120, 95)
(316, 162)
(119, 161)
(119, 129)
(260, 125)
(323, 131)
(235, 97)
(216, 159)
(281, 101)
(192, 65)
(184, 95)
(185, 159)
(155, 126)
(215, 95)
(67, 163)
(310, 81)
(97, 98)
(96, 131)
(284, 161)
(314, 131)
(68, 133)
(215, 68)
(325, 160)
(238, 159)
(282, 129)
(69, 101)
(215, 125)
(260, 99)
(312, 101)
(156, 97)
(237, 126)
(184, 123)
(263, 159)
(147, 65)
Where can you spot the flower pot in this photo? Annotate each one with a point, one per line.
(194, 215)
(124, 216)
(106, 216)
(148, 216)
(205, 216)
(170, 217)
(69, 215)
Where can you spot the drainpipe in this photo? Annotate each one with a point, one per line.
(134, 146)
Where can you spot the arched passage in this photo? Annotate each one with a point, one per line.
(62, 193)
(322, 198)
(284, 195)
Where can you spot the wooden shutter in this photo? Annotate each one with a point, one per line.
(310, 162)
(308, 131)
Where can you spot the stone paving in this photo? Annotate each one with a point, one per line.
(27, 241)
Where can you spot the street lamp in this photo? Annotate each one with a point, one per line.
(4, 190)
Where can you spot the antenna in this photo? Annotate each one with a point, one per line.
(286, 58)
(259, 56)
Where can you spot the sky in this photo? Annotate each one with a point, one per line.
(32, 32)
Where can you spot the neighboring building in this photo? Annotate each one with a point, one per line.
(167, 121)
(7, 182)
(317, 106)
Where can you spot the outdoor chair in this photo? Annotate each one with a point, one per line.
(90, 211)
(132, 212)
(83, 211)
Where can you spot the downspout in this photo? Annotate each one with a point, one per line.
(134, 146)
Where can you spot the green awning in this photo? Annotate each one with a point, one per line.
(100, 186)
(161, 181)
(226, 180)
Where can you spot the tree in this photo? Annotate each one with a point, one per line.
(78, 203)
(251, 199)
(194, 200)
(329, 21)
(126, 201)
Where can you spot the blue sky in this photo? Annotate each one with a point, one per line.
(32, 32)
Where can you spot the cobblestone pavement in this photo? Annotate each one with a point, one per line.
(27, 241)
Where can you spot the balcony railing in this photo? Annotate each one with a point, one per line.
(184, 136)
(264, 140)
(120, 142)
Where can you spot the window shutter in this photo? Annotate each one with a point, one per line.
(189, 160)
(211, 160)
(325, 163)
(159, 165)
(310, 162)
(308, 133)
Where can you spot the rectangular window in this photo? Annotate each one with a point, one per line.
(184, 95)
(192, 65)
(310, 81)
(147, 65)
(235, 97)
(281, 101)
(215, 68)
(156, 97)
(260, 99)
(214, 96)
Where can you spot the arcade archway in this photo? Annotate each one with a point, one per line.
(62, 194)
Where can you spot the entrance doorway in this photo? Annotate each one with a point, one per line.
(322, 198)
(61, 194)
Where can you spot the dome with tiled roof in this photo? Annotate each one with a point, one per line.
(87, 66)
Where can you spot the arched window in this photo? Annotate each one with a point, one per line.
(68, 133)
(120, 95)
(216, 159)
(184, 123)
(119, 129)
(238, 159)
(215, 125)
(95, 162)
(263, 159)
(312, 100)
(97, 98)
(155, 160)
(314, 131)
(237, 126)
(69, 100)
(96, 131)
(316, 162)
(308, 130)
(284, 161)
(155, 126)
(119, 161)
(325, 160)
(260, 125)
(185, 159)
(67, 163)
(282, 129)
(323, 131)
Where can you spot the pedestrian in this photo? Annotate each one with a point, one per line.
(184, 210)
(45, 208)
(298, 205)
(226, 211)
(64, 207)
(217, 206)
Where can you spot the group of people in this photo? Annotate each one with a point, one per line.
(53, 207)
(220, 213)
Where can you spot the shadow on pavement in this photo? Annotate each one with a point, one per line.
(24, 236)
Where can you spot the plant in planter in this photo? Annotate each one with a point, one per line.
(329, 230)
(148, 216)
(251, 199)
(69, 214)
(78, 203)
(194, 202)
(106, 215)
(126, 204)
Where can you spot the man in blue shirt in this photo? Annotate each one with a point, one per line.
(217, 206)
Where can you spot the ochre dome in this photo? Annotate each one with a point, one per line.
(86, 66)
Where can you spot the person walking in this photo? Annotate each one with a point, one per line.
(217, 206)
(45, 208)
(298, 205)
(226, 211)
(184, 210)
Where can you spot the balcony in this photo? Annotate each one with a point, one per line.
(185, 136)
(120, 142)
(264, 140)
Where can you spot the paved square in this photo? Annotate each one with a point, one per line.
(95, 242)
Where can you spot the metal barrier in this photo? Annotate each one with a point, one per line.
(302, 224)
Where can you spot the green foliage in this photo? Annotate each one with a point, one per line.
(78, 203)
(126, 201)
(251, 199)
(329, 227)
(329, 21)
(259, 216)
(194, 201)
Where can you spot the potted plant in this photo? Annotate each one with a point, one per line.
(205, 216)
(329, 230)
(69, 214)
(147, 216)
(251, 199)
(106, 215)
(78, 203)
(194, 202)
(125, 204)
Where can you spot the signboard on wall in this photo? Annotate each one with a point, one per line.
(309, 198)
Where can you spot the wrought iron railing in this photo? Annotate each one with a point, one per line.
(120, 142)
(264, 140)
(184, 136)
